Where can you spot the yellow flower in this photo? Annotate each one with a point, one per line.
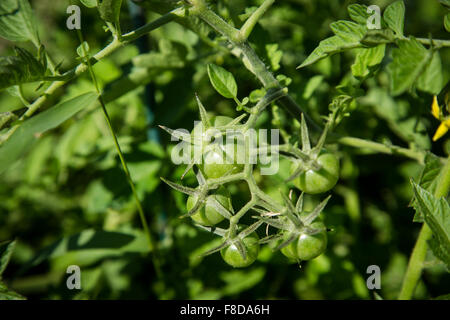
(445, 123)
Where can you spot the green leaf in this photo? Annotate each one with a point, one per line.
(431, 80)
(6, 294)
(347, 36)
(89, 3)
(109, 9)
(358, 13)
(6, 250)
(17, 22)
(274, 54)
(23, 68)
(16, 145)
(375, 37)
(367, 60)
(447, 22)
(394, 16)
(445, 3)
(348, 31)
(427, 179)
(409, 61)
(89, 247)
(326, 48)
(436, 213)
(223, 81)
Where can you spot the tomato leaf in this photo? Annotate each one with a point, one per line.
(7, 294)
(427, 180)
(223, 81)
(6, 250)
(17, 22)
(347, 36)
(16, 145)
(394, 16)
(447, 22)
(436, 213)
(431, 80)
(89, 3)
(22, 68)
(109, 9)
(89, 247)
(410, 60)
(367, 60)
(358, 13)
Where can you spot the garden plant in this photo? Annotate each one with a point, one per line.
(116, 160)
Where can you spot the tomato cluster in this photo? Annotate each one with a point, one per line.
(301, 235)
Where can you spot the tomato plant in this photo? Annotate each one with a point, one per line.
(324, 141)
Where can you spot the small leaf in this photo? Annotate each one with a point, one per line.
(326, 48)
(394, 16)
(17, 21)
(16, 145)
(89, 3)
(23, 68)
(348, 31)
(83, 50)
(109, 9)
(223, 81)
(203, 114)
(366, 61)
(358, 13)
(6, 250)
(274, 54)
(447, 22)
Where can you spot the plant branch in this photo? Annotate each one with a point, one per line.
(382, 148)
(248, 26)
(249, 56)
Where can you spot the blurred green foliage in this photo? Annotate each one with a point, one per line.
(67, 201)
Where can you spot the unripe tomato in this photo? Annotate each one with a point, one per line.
(307, 247)
(208, 215)
(214, 161)
(232, 256)
(319, 181)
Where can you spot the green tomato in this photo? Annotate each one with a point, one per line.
(215, 163)
(232, 256)
(208, 215)
(319, 181)
(307, 247)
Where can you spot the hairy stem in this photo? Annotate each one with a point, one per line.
(382, 148)
(416, 261)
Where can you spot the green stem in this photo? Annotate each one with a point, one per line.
(248, 26)
(382, 148)
(253, 62)
(416, 261)
(436, 42)
(151, 243)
